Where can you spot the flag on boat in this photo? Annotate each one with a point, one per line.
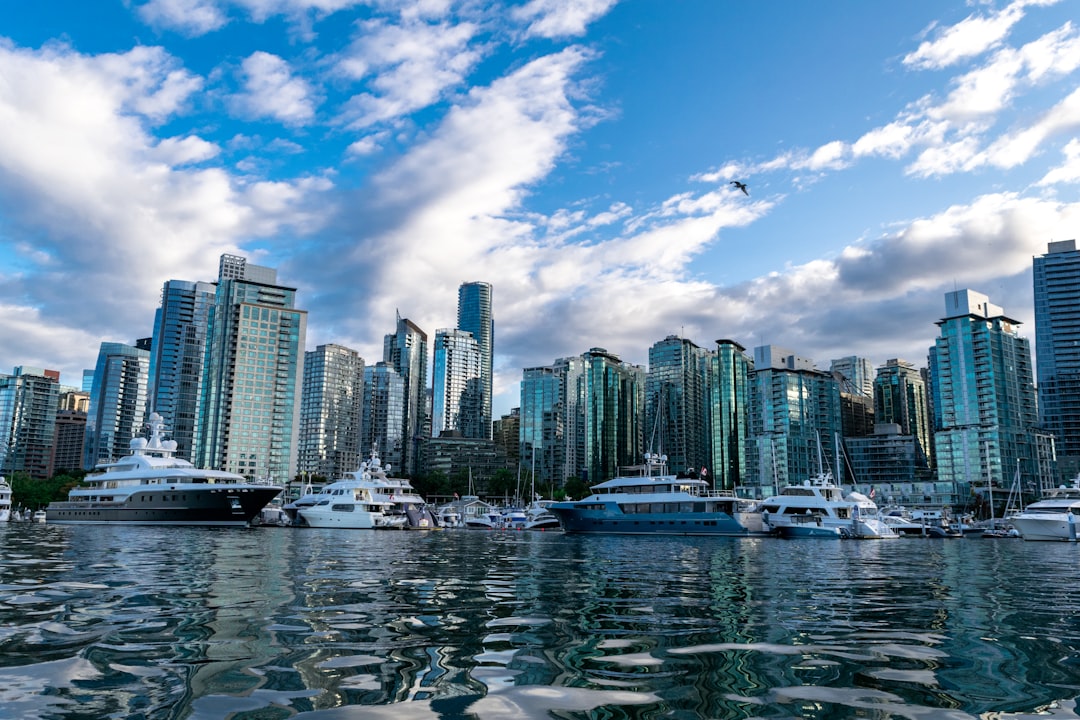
(871, 492)
(455, 496)
(704, 471)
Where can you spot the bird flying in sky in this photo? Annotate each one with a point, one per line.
(741, 186)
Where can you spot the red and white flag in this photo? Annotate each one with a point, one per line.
(704, 471)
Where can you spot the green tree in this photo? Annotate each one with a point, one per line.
(27, 492)
(575, 488)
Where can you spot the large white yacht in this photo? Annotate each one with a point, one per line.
(367, 499)
(153, 487)
(854, 515)
(1052, 517)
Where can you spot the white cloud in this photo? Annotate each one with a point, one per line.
(560, 18)
(191, 17)
(1068, 171)
(272, 91)
(409, 65)
(970, 37)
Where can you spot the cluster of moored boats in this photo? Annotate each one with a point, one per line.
(152, 486)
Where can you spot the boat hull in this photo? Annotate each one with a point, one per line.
(1050, 527)
(611, 520)
(796, 532)
(208, 506)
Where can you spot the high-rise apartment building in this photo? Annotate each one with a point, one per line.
(383, 422)
(1057, 346)
(855, 375)
(331, 411)
(984, 397)
(900, 399)
(177, 357)
(249, 411)
(676, 399)
(457, 386)
(70, 432)
(611, 395)
(117, 402)
(795, 420)
(28, 401)
(728, 420)
(406, 350)
(474, 316)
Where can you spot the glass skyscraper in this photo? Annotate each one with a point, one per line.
(249, 412)
(117, 402)
(984, 396)
(729, 414)
(551, 420)
(1057, 347)
(383, 420)
(457, 385)
(406, 350)
(331, 409)
(612, 400)
(28, 404)
(676, 395)
(900, 398)
(795, 420)
(474, 316)
(177, 355)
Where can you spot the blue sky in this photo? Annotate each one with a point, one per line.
(577, 155)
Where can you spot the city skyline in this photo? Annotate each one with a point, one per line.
(578, 156)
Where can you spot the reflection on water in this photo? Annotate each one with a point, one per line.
(274, 623)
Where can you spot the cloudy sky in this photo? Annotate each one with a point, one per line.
(577, 154)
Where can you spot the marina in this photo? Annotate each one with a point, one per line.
(156, 622)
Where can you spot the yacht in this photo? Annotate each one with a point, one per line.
(152, 486)
(1052, 517)
(538, 516)
(368, 498)
(854, 515)
(5, 500)
(650, 501)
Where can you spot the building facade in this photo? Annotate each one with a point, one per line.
(900, 398)
(406, 350)
(728, 422)
(331, 411)
(676, 400)
(795, 421)
(177, 357)
(382, 423)
(28, 402)
(457, 387)
(475, 316)
(551, 421)
(117, 403)
(985, 413)
(250, 406)
(1056, 277)
(611, 395)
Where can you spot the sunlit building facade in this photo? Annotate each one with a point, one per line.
(984, 397)
(250, 407)
(611, 394)
(795, 420)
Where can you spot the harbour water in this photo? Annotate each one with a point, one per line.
(143, 622)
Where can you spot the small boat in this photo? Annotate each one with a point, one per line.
(538, 516)
(152, 486)
(39, 516)
(648, 501)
